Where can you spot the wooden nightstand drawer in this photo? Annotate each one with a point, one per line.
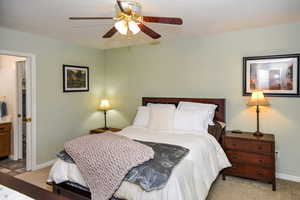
(249, 171)
(248, 145)
(249, 158)
(4, 128)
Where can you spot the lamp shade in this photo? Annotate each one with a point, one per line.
(104, 105)
(258, 99)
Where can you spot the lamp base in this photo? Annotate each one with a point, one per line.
(258, 134)
(105, 128)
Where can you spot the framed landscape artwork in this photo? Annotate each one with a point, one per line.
(275, 75)
(75, 78)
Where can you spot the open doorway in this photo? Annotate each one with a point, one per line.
(17, 141)
(12, 103)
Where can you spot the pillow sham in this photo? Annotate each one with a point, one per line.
(142, 116)
(161, 118)
(210, 108)
(191, 120)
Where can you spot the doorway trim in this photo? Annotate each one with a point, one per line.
(31, 156)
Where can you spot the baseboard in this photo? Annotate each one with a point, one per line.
(12, 157)
(44, 165)
(288, 177)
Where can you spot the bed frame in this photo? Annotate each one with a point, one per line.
(77, 194)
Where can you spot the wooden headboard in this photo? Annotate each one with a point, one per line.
(220, 114)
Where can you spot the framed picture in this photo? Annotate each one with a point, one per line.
(75, 78)
(275, 75)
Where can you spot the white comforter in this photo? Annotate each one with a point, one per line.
(190, 180)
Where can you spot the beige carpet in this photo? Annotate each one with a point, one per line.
(231, 189)
(243, 189)
(38, 178)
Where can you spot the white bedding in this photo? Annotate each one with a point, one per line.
(190, 180)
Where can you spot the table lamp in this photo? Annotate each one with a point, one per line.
(257, 99)
(105, 106)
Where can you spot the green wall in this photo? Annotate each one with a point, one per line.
(208, 67)
(60, 116)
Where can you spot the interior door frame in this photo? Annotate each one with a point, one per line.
(30, 68)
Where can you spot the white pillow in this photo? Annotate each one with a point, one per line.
(161, 105)
(191, 120)
(161, 118)
(142, 116)
(210, 108)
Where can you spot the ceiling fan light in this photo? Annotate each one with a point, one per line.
(133, 27)
(122, 27)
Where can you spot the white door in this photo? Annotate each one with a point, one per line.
(24, 119)
(20, 86)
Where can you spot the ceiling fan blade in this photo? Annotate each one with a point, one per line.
(110, 33)
(126, 11)
(149, 31)
(88, 18)
(163, 20)
(120, 6)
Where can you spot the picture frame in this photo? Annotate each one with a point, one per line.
(75, 78)
(276, 75)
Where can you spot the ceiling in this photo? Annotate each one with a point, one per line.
(200, 17)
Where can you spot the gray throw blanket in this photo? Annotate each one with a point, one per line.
(105, 159)
(153, 174)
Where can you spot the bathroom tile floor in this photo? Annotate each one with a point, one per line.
(12, 167)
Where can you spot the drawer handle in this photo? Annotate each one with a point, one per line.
(259, 148)
(260, 161)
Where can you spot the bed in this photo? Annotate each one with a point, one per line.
(191, 179)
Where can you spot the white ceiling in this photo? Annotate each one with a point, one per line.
(200, 17)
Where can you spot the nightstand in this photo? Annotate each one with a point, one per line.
(102, 130)
(251, 157)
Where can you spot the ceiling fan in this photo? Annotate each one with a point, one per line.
(128, 17)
